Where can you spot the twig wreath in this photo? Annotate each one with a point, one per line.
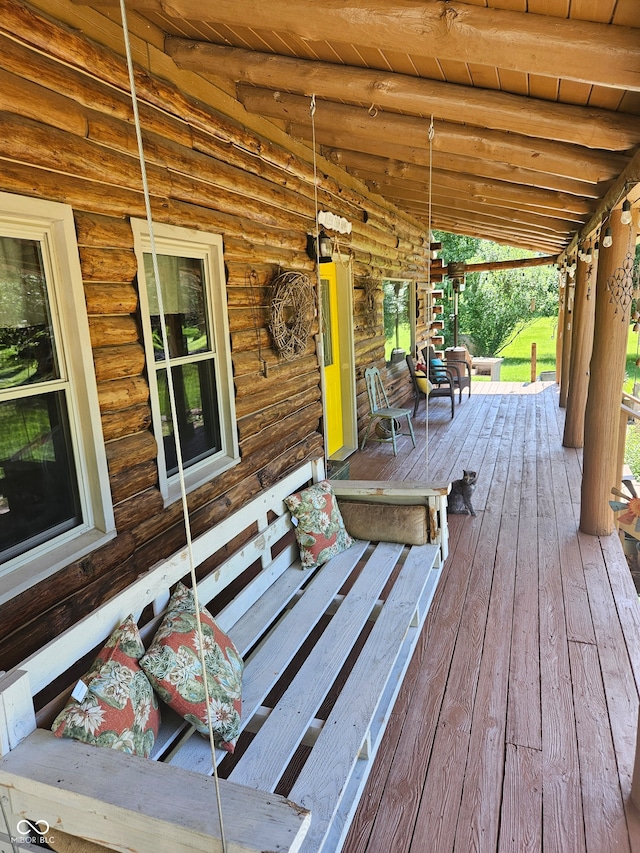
(293, 308)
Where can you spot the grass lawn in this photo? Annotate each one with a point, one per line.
(516, 366)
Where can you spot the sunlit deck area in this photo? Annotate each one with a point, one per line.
(515, 729)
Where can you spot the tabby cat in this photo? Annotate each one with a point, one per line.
(459, 501)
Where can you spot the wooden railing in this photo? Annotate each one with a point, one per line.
(629, 408)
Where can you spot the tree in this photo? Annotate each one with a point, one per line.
(496, 305)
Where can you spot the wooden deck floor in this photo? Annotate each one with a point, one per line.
(515, 728)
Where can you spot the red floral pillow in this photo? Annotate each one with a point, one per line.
(116, 706)
(320, 530)
(173, 667)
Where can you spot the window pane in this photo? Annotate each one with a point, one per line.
(38, 490)
(198, 418)
(27, 350)
(182, 282)
(397, 318)
(326, 322)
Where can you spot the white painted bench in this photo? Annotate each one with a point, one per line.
(325, 652)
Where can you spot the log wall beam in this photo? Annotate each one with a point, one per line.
(593, 128)
(578, 50)
(602, 414)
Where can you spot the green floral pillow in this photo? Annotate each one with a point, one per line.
(173, 667)
(320, 530)
(115, 704)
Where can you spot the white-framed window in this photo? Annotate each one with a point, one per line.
(193, 292)
(55, 501)
(399, 318)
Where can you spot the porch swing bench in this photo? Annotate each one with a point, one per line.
(325, 653)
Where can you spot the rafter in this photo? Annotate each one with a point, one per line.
(593, 53)
(541, 155)
(592, 128)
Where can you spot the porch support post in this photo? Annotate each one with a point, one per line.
(584, 304)
(562, 283)
(566, 340)
(602, 414)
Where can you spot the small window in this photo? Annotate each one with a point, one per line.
(399, 319)
(193, 299)
(54, 490)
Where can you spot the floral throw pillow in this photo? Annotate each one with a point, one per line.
(173, 667)
(320, 530)
(116, 706)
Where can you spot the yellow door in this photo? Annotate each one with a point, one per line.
(332, 372)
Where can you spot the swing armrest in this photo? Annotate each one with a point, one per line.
(127, 803)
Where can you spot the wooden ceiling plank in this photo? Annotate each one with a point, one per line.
(515, 83)
(593, 10)
(574, 93)
(603, 98)
(483, 77)
(543, 88)
(577, 50)
(627, 13)
(555, 8)
(554, 157)
(456, 73)
(486, 108)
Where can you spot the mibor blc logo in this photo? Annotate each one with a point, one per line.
(32, 830)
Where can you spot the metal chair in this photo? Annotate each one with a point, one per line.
(443, 388)
(379, 408)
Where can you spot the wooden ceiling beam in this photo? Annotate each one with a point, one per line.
(517, 219)
(339, 149)
(490, 197)
(515, 264)
(539, 155)
(590, 127)
(571, 49)
(399, 195)
(496, 234)
(381, 169)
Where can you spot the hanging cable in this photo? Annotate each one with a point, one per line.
(172, 403)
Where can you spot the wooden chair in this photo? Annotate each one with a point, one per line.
(444, 388)
(379, 408)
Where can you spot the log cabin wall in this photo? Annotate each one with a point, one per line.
(68, 136)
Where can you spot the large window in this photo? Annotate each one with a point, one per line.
(399, 319)
(54, 496)
(191, 292)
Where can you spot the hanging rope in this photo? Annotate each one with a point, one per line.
(312, 113)
(431, 134)
(172, 403)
